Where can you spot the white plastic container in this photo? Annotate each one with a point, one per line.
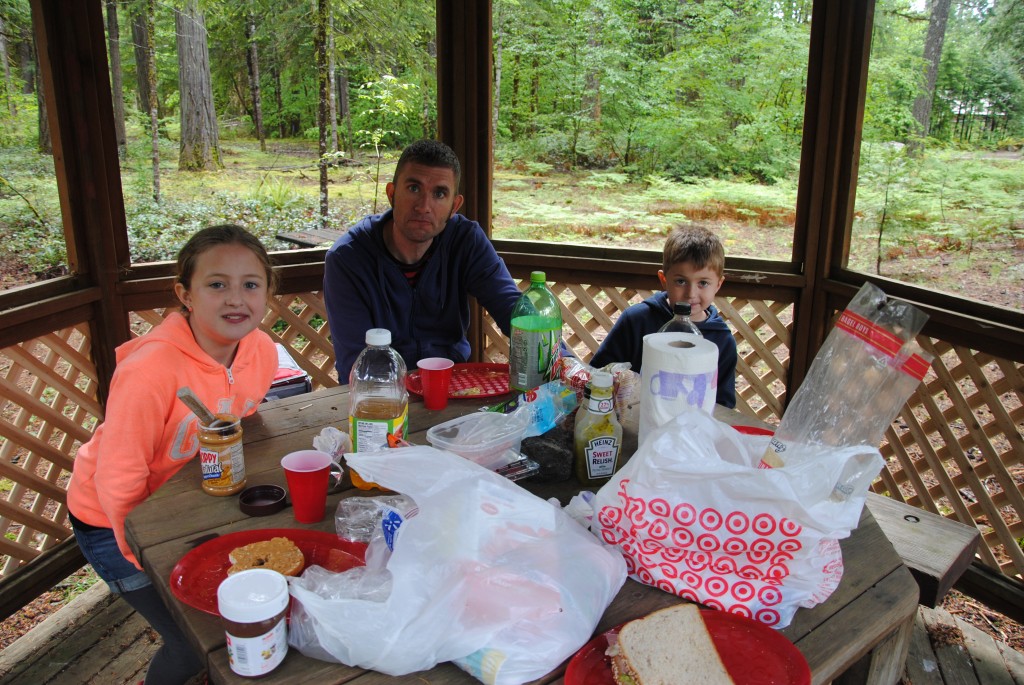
(489, 439)
(253, 606)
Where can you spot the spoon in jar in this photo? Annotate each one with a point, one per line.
(206, 417)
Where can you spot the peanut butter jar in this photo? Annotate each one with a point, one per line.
(220, 456)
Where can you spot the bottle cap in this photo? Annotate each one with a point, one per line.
(601, 379)
(538, 277)
(683, 308)
(378, 336)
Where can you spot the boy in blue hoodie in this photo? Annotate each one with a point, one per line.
(693, 270)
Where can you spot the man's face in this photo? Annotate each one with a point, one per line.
(424, 199)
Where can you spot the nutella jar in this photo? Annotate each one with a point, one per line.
(220, 456)
(253, 605)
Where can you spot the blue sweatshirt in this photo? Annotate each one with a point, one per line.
(364, 287)
(625, 342)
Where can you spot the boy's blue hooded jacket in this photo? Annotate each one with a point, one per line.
(625, 342)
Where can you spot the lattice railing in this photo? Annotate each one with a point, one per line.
(48, 390)
(956, 448)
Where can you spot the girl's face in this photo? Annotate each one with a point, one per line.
(686, 283)
(226, 299)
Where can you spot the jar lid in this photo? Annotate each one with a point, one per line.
(601, 379)
(378, 337)
(253, 595)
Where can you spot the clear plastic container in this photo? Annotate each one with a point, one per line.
(378, 399)
(536, 334)
(486, 438)
(681, 322)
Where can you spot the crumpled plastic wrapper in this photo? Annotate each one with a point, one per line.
(333, 442)
(579, 508)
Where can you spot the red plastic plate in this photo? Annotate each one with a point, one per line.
(754, 430)
(195, 577)
(753, 653)
(469, 380)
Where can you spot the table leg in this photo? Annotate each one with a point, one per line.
(885, 663)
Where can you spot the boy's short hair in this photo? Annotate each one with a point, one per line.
(430, 153)
(695, 244)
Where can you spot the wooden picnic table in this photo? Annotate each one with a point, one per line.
(860, 634)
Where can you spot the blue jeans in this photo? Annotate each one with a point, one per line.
(175, 662)
(99, 547)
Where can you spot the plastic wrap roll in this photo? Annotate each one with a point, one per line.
(679, 371)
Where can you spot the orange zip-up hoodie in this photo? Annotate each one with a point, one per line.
(148, 434)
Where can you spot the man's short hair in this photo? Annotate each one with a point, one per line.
(694, 244)
(431, 153)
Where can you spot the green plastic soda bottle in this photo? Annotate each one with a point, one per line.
(536, 334)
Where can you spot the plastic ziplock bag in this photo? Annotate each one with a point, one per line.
(694, 515)
(486, 575)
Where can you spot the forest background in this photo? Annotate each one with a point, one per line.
(613, 120)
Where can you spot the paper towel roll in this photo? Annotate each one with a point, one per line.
(680, 371)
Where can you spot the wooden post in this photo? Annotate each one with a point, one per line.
(464, 111)
(73, 74)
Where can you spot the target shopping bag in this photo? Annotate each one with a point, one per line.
(694, 515)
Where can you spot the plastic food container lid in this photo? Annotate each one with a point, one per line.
(252, 596)
(262, 500)
(483, 437)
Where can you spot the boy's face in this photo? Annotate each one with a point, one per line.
(685, 283)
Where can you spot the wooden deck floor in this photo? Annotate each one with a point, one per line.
(97, 640)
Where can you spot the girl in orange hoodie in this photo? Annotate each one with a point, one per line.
(213, 346)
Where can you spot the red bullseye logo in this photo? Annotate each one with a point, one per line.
(711, 519)
(692, 579)
(735, 546)
(790, 546)
(724, 565)
(741, 610)
(609, 516)
(769, 596)
(682, 537)
(737, 523)
(742, 591)
(659, 507)
(714, 604)
(767, 616)
(645, 576)
(750, 573)
(790, 528)
(635, 510)
(669, 570)
(698, 561)
(666, 586)
(708, 542)
(648, 546)
(764, 524)
(684, 514)
(659, 529)
(716, 587)
(673, 555)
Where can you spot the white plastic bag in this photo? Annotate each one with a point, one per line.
(694, 516)
(486, 575)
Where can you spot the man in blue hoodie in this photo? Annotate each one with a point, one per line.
(693, 269)
(412, 269)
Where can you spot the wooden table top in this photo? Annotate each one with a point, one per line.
(876, 594)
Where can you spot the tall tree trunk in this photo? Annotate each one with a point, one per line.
(331, 81)
(497, 86)
(341, 86)
(141, 46)
(200, 147)
(116, 82)
(323, 83)
(12, 106)
(252, 60)
(27, 59)
(45, 141)
(513, 123)
(932, 55)
(149, 59)
(276, 73)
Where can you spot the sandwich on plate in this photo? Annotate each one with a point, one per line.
(671, 646)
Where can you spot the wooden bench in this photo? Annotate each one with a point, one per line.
(937, 550)
(314, 237)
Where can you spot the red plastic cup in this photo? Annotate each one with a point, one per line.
(308, 473)
(435, 377)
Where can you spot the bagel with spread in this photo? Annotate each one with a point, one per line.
(277, 554)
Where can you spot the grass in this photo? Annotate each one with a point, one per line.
(963, 212)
